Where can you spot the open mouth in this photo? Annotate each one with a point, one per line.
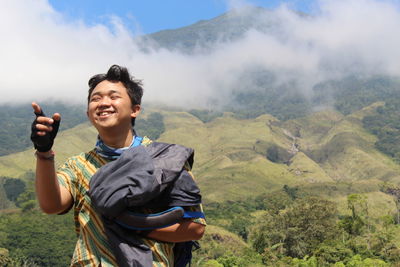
(105, 114)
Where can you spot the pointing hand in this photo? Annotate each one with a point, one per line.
(44, 129)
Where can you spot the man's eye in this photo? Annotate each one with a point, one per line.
(95, 99)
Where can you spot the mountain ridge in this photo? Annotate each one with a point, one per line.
(200, 36)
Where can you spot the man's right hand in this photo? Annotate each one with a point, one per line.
(44, 129)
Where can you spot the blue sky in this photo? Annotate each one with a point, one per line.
(154, 15)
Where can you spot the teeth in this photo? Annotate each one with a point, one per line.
(104, 113)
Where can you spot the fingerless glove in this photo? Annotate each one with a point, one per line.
(45, 142)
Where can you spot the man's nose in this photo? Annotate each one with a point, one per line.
(105, 101)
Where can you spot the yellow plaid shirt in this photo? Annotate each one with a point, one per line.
(92, 247)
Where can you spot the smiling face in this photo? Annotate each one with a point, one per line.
(110, 107)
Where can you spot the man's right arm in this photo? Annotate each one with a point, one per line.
(52, 197)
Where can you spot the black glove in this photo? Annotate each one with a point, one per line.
(45, 142)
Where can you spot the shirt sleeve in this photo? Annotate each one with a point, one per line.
(198, 208)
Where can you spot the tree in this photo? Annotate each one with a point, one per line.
(300, 229)
(274, 202)
(46, 240)
(291, 191)
(394, 191)
(332, 252)
(359, 218)
(13, 187)
(27, 200)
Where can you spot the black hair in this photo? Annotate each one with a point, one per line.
(119, 74)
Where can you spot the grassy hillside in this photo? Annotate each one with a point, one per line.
(69, 142)
(236, 158)
(228, 158)
(233, 158)
(251, 169)
(16, 120)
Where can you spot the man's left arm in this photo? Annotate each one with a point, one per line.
(185, 230)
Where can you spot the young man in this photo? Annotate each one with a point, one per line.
(113, 104)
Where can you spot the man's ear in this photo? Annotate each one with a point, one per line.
(135, 111)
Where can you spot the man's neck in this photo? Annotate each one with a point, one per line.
(117, 140)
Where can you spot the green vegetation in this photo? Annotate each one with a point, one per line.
(354, 93)
(287, 227)
(265, 206)
(205, 115)
(300, 192)
(257, 93)
(37, 238)
(13, 187)
(30, 238)
(299, 230)
(151, 127)
(385, 124)
(305, 231)
(16, 120)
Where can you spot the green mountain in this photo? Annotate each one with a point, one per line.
(16, 120)
(236, 158)
(202, 35)
(247, 168)
(242, 157)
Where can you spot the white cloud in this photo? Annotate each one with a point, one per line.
(44, 56)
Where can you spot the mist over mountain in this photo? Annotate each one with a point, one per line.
(249, 61)
(333, 73)
(204, 35)
(282, 54)
(201, 65)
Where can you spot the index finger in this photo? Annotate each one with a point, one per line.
(37, 109)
